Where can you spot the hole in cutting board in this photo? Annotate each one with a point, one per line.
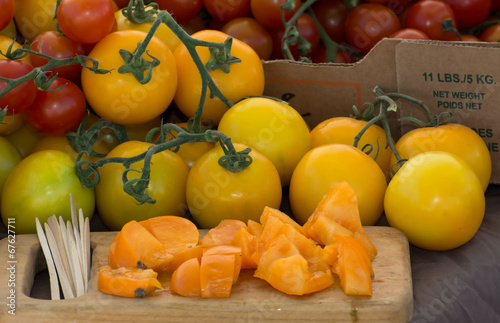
(41, 285)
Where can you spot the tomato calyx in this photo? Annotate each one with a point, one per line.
(233, 160)
(351, 4)
(18, 53)
(221, 58)
(138, 13)
(448, 25)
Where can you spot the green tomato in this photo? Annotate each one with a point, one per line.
(436, 199)
(9, 158)
(40, 186)
(167, 186)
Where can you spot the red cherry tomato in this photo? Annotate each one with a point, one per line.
(307, 28)
(268, 12)
(342, 56)
(56, 45)
(181, 10)
(252, 33)
(86, 21)
(428, 15)
(470, 38)
(54, 113)
(469, 13)
(6, 13)
(410, 33)
(22, 96)
(495, 5)
(332, 15)
(226, 10)
(491, 34)
(368, 23)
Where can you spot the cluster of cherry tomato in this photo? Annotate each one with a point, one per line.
(357, 30)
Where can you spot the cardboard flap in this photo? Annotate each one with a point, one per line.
(322, 91)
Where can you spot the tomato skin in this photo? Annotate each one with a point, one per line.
(120, 97)
(342, 56)
(268, 12)
(368, 23)
(332, 15)
(25, 139)
(190, 152)
(436, 200)
(410, 33)
(491, 34)
(252, 33)
(181, 10)
(495, 5)
(7, 12)
(326, 165)
(85, 21)
(22, 96)
(34, 17)
(55, 113)
(226, 10)
(273, 128)
(9, 158)
(342, 130)
(215, 193)
(469, 13)
(58, 46)
(453, 138)
(167, 186)
(427, 16)
(10, 125)
(39, 186)
(244, 79)
(163, 32)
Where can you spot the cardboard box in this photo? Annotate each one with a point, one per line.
(457, 77)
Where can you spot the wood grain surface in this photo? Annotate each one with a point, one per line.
(252, 299)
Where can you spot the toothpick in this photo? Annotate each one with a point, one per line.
(74, 259)
(62, 270)
(53, 279)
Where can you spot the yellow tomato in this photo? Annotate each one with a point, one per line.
(191, 151)
(436, 200)
(34, 17)
(273, 128)
(245, 78)
(5, 42)
(326, 165)
(453, 138)
(11, 124)
(120, 98)
(167, 186)
(163, 32)
(215, 193)
(342, 130)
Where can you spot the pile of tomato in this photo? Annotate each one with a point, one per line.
(357, 30)
(37, 162)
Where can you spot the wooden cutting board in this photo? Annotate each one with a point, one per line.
(252, 299)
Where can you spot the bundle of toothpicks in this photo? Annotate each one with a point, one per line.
(67, 251)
